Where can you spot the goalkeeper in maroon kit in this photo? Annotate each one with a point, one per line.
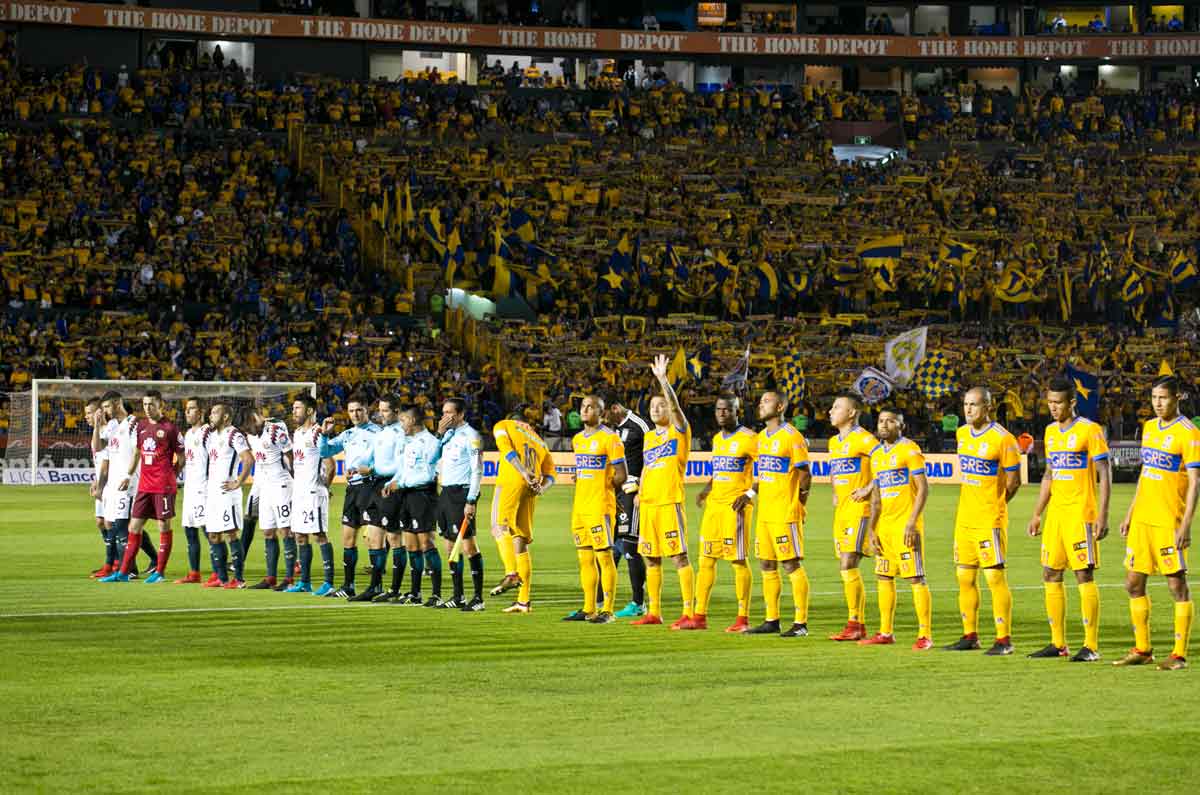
(160, 457)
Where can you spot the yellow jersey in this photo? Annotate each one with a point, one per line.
(850, 469)
(894, 469)
(981, 458)
(1071, 455)
(1168, 451)
(664, 460)
(732, 465)
(781, 456)
(596, 455)
(516, 441)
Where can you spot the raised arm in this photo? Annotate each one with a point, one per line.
(659, 368)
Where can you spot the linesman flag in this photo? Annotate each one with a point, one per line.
(790, 375)
(935, 376)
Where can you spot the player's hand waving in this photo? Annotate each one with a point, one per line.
(660, 366)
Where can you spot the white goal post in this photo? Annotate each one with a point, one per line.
(49, 440)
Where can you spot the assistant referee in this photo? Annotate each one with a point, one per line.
(461, 472)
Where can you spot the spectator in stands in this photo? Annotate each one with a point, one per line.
(1176, 24)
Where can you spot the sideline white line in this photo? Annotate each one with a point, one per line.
(341, 604)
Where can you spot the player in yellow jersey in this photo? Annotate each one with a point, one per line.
(1158, 525)
(599, 470)
(784, 478)
(526, 470)
(991, 474)
(850, 473)
(898, 494)
(663, 531)
(724, 532)
(1076, 454)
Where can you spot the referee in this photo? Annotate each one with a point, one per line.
(461, 474)
(632, 429)
(415, 480)
(381, 512)
(357, 443)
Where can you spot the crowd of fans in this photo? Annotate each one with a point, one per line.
(165, 231)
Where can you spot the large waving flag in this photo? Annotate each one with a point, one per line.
(520, 227)
(789, 373)
(1184, 272)
(881, 257)
(768, 281)
(935, 376)
(1087, 392)
(678, 369)
(902, 354)
(1015, 285)
(960, 255)
(873, 385)
(700, 363)
(735, 380)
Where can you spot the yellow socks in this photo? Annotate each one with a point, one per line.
(687, 586)
(1139, 612)
(923, 603)
(799, 580)
(654, 590)
(525, 572)
(1183, 627)
(856, 595)
(742, 582)
(587, 578)
(772, 588)
(997, 580)
(1056, 611)
(509, 558)
(608, 580)
(968, 600)
(1089, 605)
(887, 605)
(704, 583)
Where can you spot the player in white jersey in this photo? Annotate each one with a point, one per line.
(310, 493)
(195, 487)
(271, 443)
(93, 416)
(114, 433)
(227, 447)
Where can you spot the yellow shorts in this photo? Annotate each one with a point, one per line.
(592, 531)
(851, 537)
(1068, 542)
(778, 540)
(663, 530)
(895, 558)
(723, 532)
(512, 508)
(984, 547)
(1150, 549)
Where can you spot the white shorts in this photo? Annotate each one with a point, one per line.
(310, 511)
(118, 504)
(193, 507)
(275, 506)
(224, 512)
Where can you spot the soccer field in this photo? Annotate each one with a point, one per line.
(137, 687)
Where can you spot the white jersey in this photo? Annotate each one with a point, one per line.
(120, 440)
(269, 447)
(306, 458)
(195, 460)
(224, 447)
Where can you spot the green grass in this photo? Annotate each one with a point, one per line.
(212, 690)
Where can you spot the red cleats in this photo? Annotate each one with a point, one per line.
(923, 644)
(234, 585)
(647, 620)
(878, 639)
(737, 627)
(103, 571)
(192, 577)
(698, 622)
(684, 622)
(212, 582)
(852, 631)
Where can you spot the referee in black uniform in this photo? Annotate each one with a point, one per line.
(460, 473)
(632, 429)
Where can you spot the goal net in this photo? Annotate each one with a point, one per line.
(50, 440)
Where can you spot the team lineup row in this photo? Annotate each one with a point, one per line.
(628, 504)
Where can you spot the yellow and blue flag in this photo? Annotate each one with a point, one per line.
(1064, 294)
(675, 265)
(1184, 273)
(880, 257)
(1015, 286)
(700, 363)
(935, 377)
(520, 227)
(768, 281)
(1087, 392)
(789, 374)
(1133, 287)
(960, 255)
(453, 256)
(845, 272)
(678, 370)
(799, 282)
